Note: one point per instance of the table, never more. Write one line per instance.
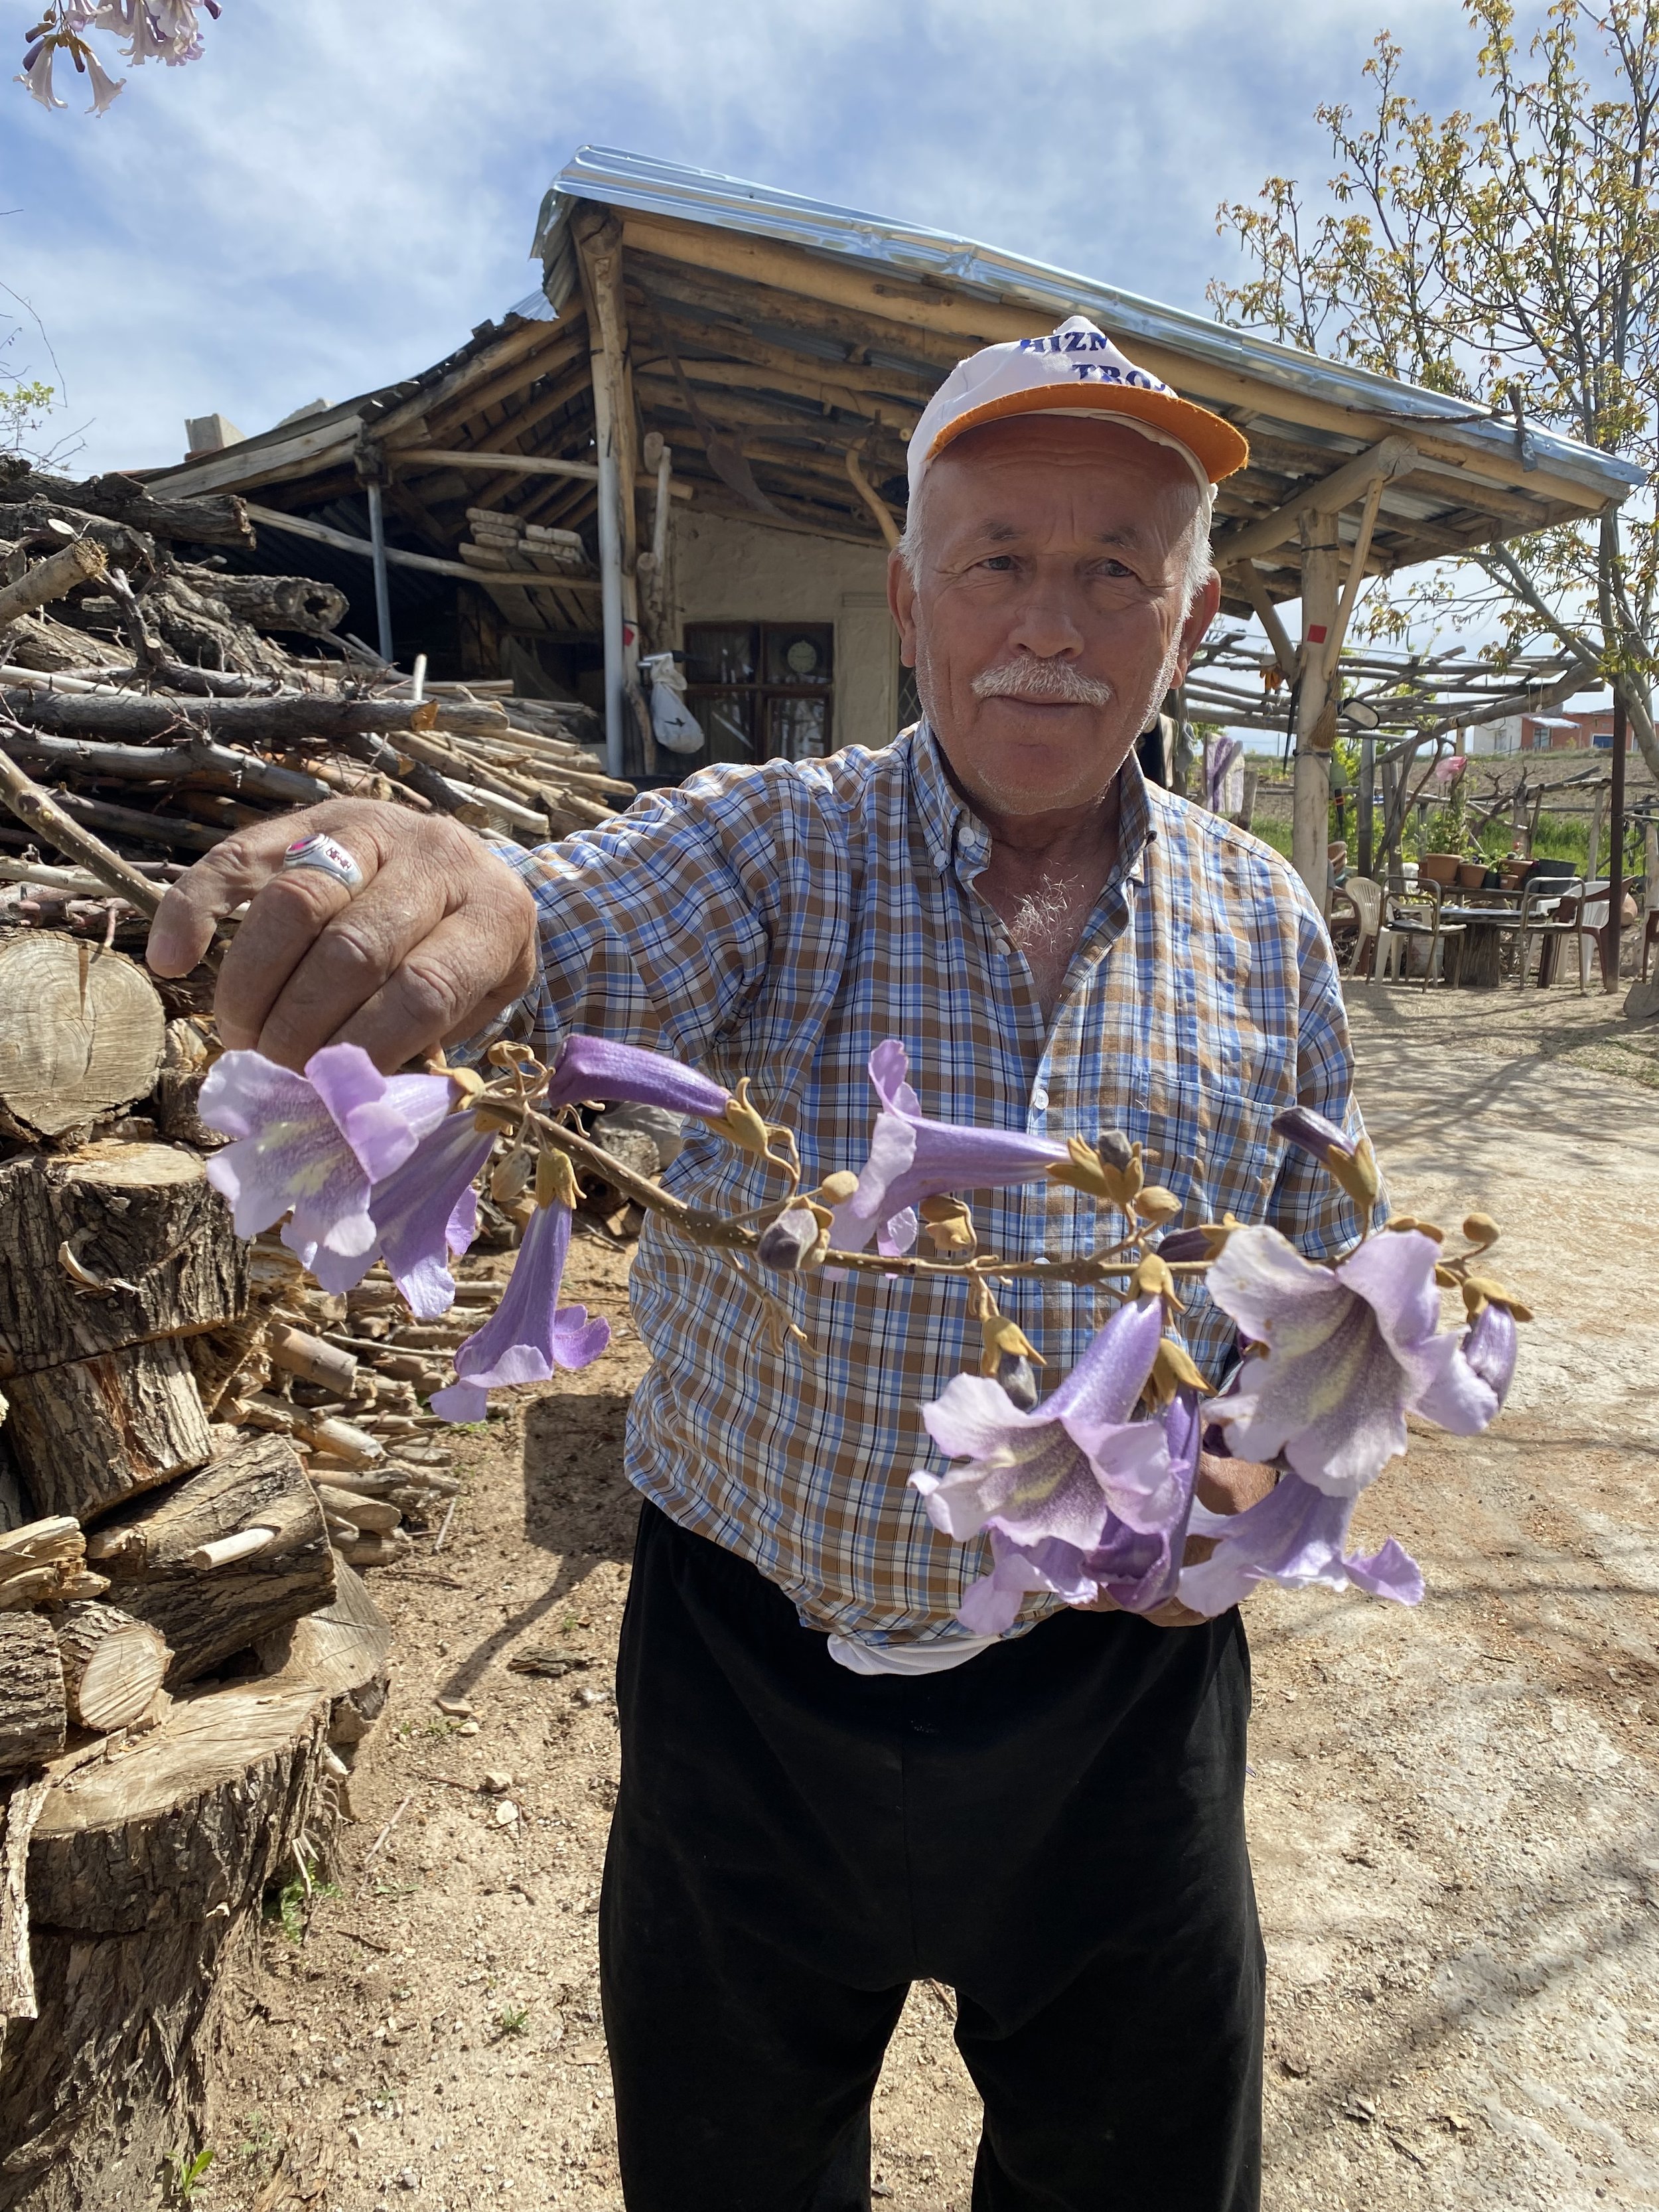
(1479, 953)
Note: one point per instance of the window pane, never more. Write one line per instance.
(800, 652)
(727, 720)
(720, 652)
(797, 729)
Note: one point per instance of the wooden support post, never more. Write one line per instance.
(1316, 726)
(1248, 580)
(599, 252)
(1610, 949)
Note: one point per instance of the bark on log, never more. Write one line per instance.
(41, 1561)
(298, 1353)
(143, 1872)
(81, 1031)
(95, 1431)
(277, 724)
(206, 1615)
(111, 1245)
(50, 578)
(218, 768)
(214, 518)
(298, 604)
(113, 1665)
(33, 1707)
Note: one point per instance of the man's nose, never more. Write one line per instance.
(1045, 623)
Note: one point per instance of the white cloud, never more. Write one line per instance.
(338, 193)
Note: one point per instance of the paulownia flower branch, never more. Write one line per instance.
(1090, 1494)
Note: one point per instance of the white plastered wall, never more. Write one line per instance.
(731, 571)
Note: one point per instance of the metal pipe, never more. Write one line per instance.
(377, 554)
(611, 583)
(1611, 947)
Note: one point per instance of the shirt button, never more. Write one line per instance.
(1040, 1100)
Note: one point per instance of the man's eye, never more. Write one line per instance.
(1114, 569)
(999, 560)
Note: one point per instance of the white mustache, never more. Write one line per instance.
(1048, 680)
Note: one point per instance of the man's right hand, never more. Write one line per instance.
(438, 940)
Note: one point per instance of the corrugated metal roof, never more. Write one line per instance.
(617, 179)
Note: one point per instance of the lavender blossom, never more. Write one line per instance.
(1078, 1497)
(423, 1211)
(1490, 1346)
(36, 73)
(314, 1142)
(106, 89)
(1295, 1536)
(1342, 1355)
(912, 1157)
(595, 1067)
(529, 1335)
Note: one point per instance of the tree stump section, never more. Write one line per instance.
(33, 1708)
(144, 1869)
(95, 1431)
(113, 1665)
(113, 1245)
(81, 1031)
(344, 1648)
(216, 1563)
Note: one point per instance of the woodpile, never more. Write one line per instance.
(163, 702)
(199, 1450)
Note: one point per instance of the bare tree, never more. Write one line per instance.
(1507, 256)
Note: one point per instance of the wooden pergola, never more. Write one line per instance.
(766, 357)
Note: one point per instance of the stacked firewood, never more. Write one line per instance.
(167, 701)
(199, 1450)
(500, 540)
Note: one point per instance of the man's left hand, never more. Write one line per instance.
(1225, 1486)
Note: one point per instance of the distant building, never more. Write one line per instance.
(1587, 729)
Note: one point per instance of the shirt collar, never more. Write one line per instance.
(956, 838)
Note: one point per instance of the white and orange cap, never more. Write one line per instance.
(1077, 370)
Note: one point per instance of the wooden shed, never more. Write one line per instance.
(691, 438)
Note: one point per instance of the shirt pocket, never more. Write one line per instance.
(1211, 1141)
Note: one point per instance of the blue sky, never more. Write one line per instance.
(341, 189)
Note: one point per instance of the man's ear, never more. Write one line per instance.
(1201, 614)
(902, 599)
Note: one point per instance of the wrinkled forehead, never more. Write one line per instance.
(1043, 473)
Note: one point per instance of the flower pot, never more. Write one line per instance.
(1471, 875)
(1438, 868)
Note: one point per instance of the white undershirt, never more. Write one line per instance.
(907, 1658)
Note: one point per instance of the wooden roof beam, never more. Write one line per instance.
(1394, 457)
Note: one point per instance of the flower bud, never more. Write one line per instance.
(1115, 1149)
(1481, 1228)
(796, 1239)
(835, 1189)
(1157, 1204)
(1018, 1379)
(511, 1176)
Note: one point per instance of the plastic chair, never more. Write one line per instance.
(1406, 921)
(1366, 898)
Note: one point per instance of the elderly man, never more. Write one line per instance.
(830, 1787)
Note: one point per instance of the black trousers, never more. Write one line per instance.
(1054, 1830)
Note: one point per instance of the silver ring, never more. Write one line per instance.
(326, 854)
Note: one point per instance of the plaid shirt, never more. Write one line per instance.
(779, 922)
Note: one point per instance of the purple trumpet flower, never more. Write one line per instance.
(529, 1333)
(1295, 1536)
(1341, 1355)
(595, 1067)
(1490, 1344)
(1076, 1494)
(314, 1142)
(912, 1158)
(423, 1211)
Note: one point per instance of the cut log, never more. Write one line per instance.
(284, 603)
(111, 1245)
(94, 1431)
(40, 1560)
(145, 1871)
(378, 1515)
(33, 1708)
(298, 1353)
(50, 580)
(206, 1613)
(324, 1433)
(113, 1665)
(212, 519)
(81, 1031)
(344, 1648)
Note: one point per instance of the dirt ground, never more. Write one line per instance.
(1452, 1811)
